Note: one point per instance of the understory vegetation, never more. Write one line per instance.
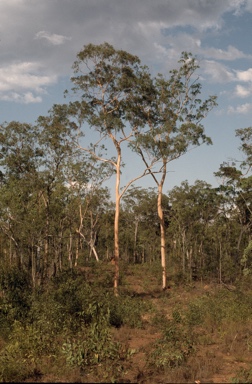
(74, 329)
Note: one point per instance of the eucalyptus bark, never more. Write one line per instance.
(33, 265)
(135, 242)
(162, 230)
(116, 222)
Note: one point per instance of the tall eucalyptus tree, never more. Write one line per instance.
(111, 85)
(174, 126)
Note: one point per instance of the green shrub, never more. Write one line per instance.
(17, 290)
(14, 367)
(92, 344)
(195, 314)
(174, 347)
(176, 315)
(67, 290)
(127, 311)
(18, 359)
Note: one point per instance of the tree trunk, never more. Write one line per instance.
(135, 241)
(189, 253)
(162, 234)
(77, 250)
(70, 251)
(220, 263)
(92, 247)
(33, 266)
(116, 224)
(183, 252)
(46, 256)
(10, 252)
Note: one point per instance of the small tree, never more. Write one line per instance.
(174, 127)
(56, 139)
(194, 209)
(237, 187)
(19, 161)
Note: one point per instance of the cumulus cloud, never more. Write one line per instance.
(23, 98)
(240, 109)
(142, 27)
(52, 38)
(24, 75)
(218, 72)
(244, 75)
(230, 54)
(241, 91)
(19, 82)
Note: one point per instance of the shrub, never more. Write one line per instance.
(17, 288)
(126, 311)
(18, 359)
(173, 348)
(92, 344)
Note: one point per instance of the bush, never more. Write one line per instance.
(17, 290)
(126, 311)
(173, 348)
(195, 314)
(18, 359)
(92, 344)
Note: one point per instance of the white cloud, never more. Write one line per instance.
(23, 98)
(24, 76)
(19, 82)
(239, 6)
(52, 38)
(230, 54)
(244, 75)
(142, 27)
(240, 109)
(241, 91)
(218, 72)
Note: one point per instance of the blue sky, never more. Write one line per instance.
(39, 41)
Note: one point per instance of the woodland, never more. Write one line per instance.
(82, 275)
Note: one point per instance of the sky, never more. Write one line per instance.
(39, 41)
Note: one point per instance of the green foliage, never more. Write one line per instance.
(16, 286)
(246, 259)
(176, 315)
(174, 347)
(127, 311)
(72, 319)
(48, 317)
(14, 367)
(19, 358)
(194, 315)
(67, 291)
(91, 345)
(215, 311)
